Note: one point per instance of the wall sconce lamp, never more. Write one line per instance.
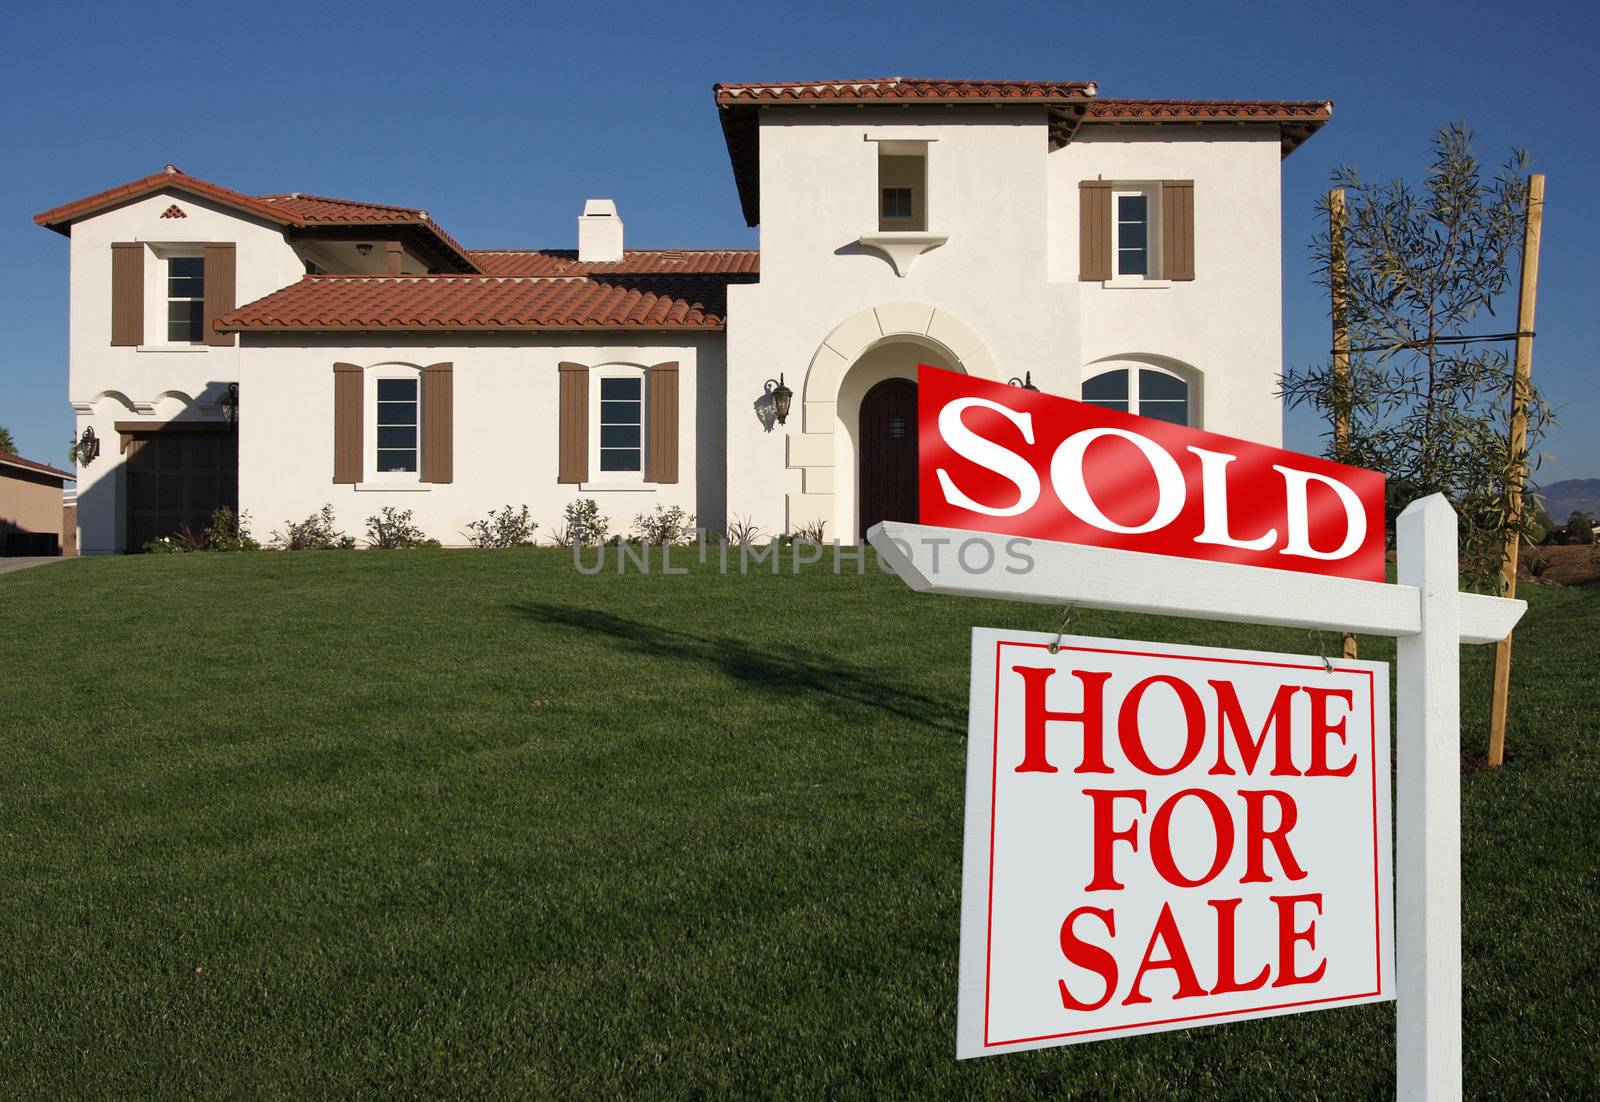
(364, 248)
(781, 397)
(230, 406)
(1026, 382)
(87, 448)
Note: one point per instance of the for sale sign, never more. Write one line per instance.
(1006, 459)
(1160, 837)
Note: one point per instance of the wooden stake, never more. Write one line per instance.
(1521, 391)
(1338, 287)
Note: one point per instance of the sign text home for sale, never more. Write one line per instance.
(1161, 836)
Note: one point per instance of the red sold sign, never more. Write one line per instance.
(1004, 459)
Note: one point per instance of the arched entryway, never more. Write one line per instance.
(886, 453)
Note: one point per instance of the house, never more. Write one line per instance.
(31, 506)
(283, 351)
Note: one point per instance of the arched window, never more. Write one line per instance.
(1146, 391)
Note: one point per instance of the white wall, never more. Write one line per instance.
(1227, 323)
(987, 190)
(155, 382)
(506, 391)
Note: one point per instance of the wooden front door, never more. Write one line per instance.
(887, 446)
(175, 479)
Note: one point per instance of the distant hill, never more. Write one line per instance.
(1562, 498)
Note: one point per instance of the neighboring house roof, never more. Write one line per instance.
(7, 459)
(468, 302)
(293, 211)
(1069, 104)
(563, 262)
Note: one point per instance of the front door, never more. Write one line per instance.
(886, 479)
(176, 477)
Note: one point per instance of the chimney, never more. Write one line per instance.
(599, 232)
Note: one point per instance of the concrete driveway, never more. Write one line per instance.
(22, 562)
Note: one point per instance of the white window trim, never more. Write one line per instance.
(617, 480)
(155, 305)
(387, 480)
(1132, 369)
(1153, 276)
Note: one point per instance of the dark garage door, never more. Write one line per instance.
(176, 478)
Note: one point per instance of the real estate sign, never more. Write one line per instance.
(1163, 836)
(1011, 460)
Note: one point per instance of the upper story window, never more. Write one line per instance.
(1146, 391)
(397, 422)
(186, 299)
(621, 423)
(1136, 233)
(902, 185)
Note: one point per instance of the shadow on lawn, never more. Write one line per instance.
(754, 668)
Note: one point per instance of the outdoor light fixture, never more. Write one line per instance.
(88, 447)
(781, 396)
(1026, 382)
(364, 248)
(230, 405)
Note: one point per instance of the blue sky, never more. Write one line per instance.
(501, 119)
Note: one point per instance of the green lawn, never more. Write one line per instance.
(469, 824)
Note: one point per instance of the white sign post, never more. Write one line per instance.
(1423, 610)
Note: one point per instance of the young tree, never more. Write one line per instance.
(1427, 404)
(7, 444)
(1580, 527)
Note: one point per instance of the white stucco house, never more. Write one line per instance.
(1124, 251)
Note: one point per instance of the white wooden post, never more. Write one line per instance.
(1428, 835)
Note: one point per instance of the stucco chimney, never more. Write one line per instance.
(599, 232)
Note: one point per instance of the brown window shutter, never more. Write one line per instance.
(349, 419)
(127, 293)
(661, 409)
(1177, 229)
(438, 423)
(219, 284)
(573, 434)
(1094, 230)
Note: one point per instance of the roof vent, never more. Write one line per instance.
(599, 232)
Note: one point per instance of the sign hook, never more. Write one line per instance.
(1066, 619)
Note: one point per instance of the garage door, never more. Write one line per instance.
(176, 478)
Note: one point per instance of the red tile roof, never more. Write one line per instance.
(10, 460)
(341, 212)
(60, 218)
(902, 88)
(1069, 105)
(565, 262)
(471, 302)
(1297, 119)
(295, 211)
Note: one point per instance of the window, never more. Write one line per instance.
(622, 424)
(398, 424)
(1131, 233)
(1146, 391)
(186, 294)
(902, 185)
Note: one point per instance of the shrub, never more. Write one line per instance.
(582, 525)
(668, 524)
(505, 528)
(228, 532)
(742, 531)
(809, 532)
(163, 546)
(392, 530)
(316, 533)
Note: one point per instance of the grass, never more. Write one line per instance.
(469, 824)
